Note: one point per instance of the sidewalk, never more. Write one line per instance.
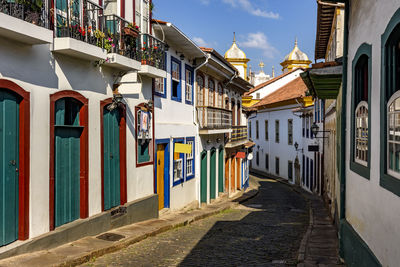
(320, 244)
(83, 250)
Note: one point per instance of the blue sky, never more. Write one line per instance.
(265, 29)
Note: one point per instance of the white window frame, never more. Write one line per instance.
(362, 139)
(188, 85)
(392, 99)
(200, 91)
(189, 159)
(211, 93)
(159, 84)
(178, 165)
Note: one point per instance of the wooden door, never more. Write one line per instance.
(67, 161)
(160, 175)
(227, 175)
(221, 170)
(111, 155)
(9, 164)
(233, 173)
(213, 169)
(239, 172)
(203, 177)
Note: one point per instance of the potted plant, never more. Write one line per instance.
(132, 30)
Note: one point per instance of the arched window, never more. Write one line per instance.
(360, 111)
(211, 88)
(393, 135)
(361, 133)
(200, 91)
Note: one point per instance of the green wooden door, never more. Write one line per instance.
(203, 177)
(221, 170)
(111, 157)
(213, 169)
(9, 147)
(67, 161)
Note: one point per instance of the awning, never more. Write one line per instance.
(241, 155)
(249, 144)
(183, 148)
(323, 82)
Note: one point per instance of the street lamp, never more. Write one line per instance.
(314, 129)
(296, 146)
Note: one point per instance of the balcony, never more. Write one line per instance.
(214, 120)
(125, 49)
(238, 136)
(153, 57)
(25, 21)
(79, 31)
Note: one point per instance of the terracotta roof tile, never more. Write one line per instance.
(270, 81)
(295, 89)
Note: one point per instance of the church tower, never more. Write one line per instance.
(237, 58)
(296, 59)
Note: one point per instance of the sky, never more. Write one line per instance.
(265, 29)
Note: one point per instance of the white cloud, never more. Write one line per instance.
(248, 6)
(259, 41)
(205, 2)
(200, 41)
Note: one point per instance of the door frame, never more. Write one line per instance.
(167, 182)
(122, 151)
(24, 157)
(84, 152)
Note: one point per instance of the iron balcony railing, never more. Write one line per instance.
(81, 20)
(125, 37)
(214, 118)
(153, 51)
(239, 133)
(32, 11)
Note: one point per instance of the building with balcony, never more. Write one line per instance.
(76, 81)
(222, 127)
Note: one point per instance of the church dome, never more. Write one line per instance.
(235, 52)
(296, 54)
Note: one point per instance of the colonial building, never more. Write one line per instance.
(77, 119)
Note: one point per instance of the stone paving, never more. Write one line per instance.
(263, 231)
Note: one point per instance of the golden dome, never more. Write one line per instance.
(296, 54)
(235, 52)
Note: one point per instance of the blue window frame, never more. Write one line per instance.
(176, 76)
(160, 87)
(189, 78)
(178, 164)
(190, 159)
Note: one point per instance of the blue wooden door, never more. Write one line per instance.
(67, 161)
(111, 156)
(9, 147)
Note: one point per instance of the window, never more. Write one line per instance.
(256, 129)
(257, 159)
(211, 99)
(277, 131)
(307, 126)
(190, 159)
(266, 130)
(390, 103)
(290, 170)
(361, 132)
(188, 84)
(142, 12)
(200, 91)
(249, 129)
(220, 96)
(267, 161)
(175, 79)
(290, 132)
(303, 176)
(257, 95)
(303, 120)
(159, 86)
(144, 135)
(277, 165)
(178, 164)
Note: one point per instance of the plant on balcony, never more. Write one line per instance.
(32, 10)
(103, 41)
(132, 30)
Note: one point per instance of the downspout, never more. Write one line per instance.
(342, 161)
(207, 56)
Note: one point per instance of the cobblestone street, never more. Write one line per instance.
(264, 231)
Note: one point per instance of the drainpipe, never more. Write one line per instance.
(207, 56)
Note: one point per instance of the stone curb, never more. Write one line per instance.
(172, 225)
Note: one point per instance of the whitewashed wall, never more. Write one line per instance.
(372, 210)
